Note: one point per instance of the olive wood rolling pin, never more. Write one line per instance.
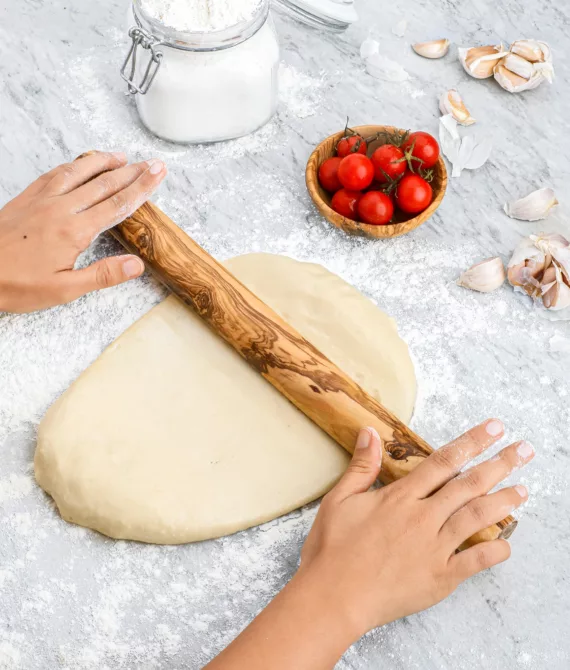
(276, 350)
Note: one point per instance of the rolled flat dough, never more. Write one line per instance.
(170, 437)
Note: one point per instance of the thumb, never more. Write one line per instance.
(365, 465)
(102, 274)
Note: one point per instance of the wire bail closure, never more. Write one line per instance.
(146, 41)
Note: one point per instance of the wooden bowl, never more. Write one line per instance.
(322, 199)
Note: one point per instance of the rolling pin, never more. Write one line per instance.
(276, 350)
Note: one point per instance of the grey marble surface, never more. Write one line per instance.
(72, 599)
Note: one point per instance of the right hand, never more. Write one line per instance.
(378, 555)
(45, 228)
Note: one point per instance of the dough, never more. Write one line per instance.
(170, 437)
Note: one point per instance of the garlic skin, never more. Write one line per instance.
(485, 277)
(533, 207)
(433, 49)
(540, 267)
(479, 62)
(452, 103)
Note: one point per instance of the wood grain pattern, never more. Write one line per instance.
(322, 199)
(277, 351)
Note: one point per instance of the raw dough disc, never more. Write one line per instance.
(169, 437)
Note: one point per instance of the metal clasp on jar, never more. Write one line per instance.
(148, 42)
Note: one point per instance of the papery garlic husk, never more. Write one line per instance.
(513, 83)
(433, 49)
(532, 50)
(533, 207)
(451, 103)
(480, 62)
(485, 276)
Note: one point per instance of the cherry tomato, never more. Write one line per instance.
(389, 163)
(413, 194)
(356, 172)
(376, 208)
(423, 149)
(328, 174)
(348, 146)
(344, 202)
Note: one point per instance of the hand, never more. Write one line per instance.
(374, 556)
(45, 228)
(391, 552)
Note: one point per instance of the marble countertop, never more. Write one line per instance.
(72, 599)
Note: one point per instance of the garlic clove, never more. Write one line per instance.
(556, 294)
(485, 276)
(519, 65)
(556, 246)
(479, 62)
(513, 83)
(452, 103)
(532, 50)
(433, 49)
(533, 207)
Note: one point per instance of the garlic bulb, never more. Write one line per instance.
(533, 207)
(451, 103)
(525, 67)
(540, 267)
(480, 62)
(485, 276)
(433, 49)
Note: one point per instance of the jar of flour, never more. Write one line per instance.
(202, 70)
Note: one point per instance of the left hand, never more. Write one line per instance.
(45, 228)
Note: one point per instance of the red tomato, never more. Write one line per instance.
(348, 146)
(423, 150)
(356, 172)
(344, 202)
(413, 194)
(389, 163)
(328, 174)
(376, 208)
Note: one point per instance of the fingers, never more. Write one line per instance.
(479, 480)
(119, 206)
(447, 462)
(70, 176)
(105, 185)
(103, 274)
(482, 513)
(478, 558)
(364, 467)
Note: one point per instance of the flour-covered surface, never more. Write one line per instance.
(70, 598)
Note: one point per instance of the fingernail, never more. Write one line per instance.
(156, 166)
(495, 427)
(525, 450)
(119, 155)
(521, 490)
(133, 267)
(364, 439)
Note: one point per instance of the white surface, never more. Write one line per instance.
(72, 599)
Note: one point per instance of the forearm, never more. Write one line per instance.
(303, 628)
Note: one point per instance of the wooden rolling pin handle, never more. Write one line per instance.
(277, 351)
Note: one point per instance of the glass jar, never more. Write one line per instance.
(207, 86)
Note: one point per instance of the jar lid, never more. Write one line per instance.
(332, 14)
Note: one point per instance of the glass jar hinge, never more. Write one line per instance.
(146, 41)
